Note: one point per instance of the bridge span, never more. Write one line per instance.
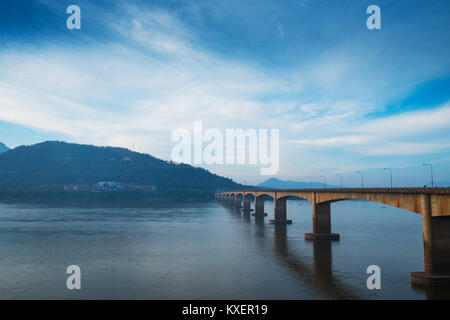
(433, 204)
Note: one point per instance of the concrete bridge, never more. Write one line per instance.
(432, 203)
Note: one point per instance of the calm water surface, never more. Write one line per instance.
(205, 251)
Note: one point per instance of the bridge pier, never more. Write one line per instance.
(247, 203)
(321, 222)
(436, 246)
(228, 201)
(259, 207)
(237, 203)
(279, 212)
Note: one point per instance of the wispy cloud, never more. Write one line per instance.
(155, 73)
(114, 94)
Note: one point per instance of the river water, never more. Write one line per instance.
(205, 251)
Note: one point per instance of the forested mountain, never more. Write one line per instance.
(60, 163)
(3, 147)
(289, 184)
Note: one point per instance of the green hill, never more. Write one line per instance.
(54, 163)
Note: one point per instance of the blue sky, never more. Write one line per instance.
(344, 97)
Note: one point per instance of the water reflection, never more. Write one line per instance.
(433, 293)
(259, 221)
(246, 217)
(319, 274)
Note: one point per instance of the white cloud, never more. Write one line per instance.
(384, 136)
(335, 141)
(408, 148)
(159, 77)
(117, 95)
(408, 123)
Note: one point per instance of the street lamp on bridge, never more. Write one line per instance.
(340, 175)
(390, 170)
(362, 178)
(324, 182)
(431, 168)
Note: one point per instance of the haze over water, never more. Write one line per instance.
(205, 251)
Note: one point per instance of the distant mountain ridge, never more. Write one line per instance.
(290, 184)
(3, 147)
(61, 163)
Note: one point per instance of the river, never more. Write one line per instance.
(205, 251)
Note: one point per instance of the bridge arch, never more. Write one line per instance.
(372, 201)
(249, 195)
(292, 197)
(410, 203)
(297, 194)
(239, 195)
(267, 194)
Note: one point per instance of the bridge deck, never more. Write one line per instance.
(356, 190)
(411, 199)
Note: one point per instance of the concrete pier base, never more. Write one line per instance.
(279, 208)
(259, 214)
(275, 221)
(321, 223)
(259, 207)
(436, 247)
(430, 280)
(321, 236)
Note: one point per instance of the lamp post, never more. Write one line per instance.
(362, 178)
(324, 182)
(340, 175)
(390, 170)
(431, 168)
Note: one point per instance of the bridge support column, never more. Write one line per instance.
(436, 246)
(321, 222)
(247, 203)
(237, 204)
(279, 210)
(259, 207)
